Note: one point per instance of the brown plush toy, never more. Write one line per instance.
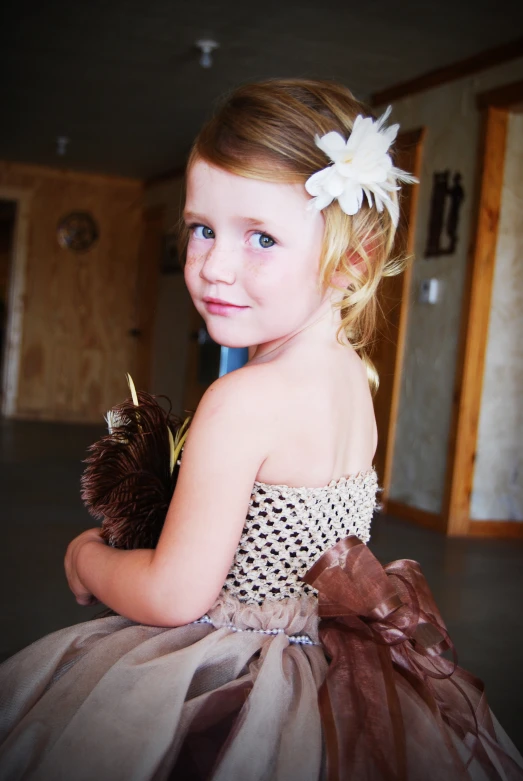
(131, 472)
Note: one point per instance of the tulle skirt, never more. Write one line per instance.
(352, 685)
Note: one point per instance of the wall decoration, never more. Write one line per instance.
(445, 206)
(77, 231)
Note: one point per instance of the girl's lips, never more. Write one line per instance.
(218, 307)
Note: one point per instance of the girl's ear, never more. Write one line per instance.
(342, 279)
(354, 259)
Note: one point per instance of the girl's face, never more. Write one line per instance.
(253, 256)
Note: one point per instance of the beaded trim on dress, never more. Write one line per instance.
(288, 528)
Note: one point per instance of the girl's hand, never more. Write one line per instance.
(83, 596)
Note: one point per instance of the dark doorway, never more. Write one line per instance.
(7, 231)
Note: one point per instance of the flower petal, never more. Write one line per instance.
(378, 191)
(320, 202)
(314, 184)
(350, 200)
(332, 144)
(368, 194)
(335, 184)
(404, 176)
(381, 121)
(362, 168)
(393, 210)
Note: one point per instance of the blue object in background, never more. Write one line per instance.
(232, 358)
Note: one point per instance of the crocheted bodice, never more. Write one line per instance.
(287, 529)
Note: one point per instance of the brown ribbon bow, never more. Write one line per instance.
(392, 706)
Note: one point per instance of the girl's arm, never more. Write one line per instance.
(179, 580)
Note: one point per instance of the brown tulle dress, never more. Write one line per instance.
(314, 663)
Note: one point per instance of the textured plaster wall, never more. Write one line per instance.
(171, 330)
(498, 477)
(453, 123)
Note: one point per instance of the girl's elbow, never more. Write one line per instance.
(180, 608)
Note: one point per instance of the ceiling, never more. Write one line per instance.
(121, 78)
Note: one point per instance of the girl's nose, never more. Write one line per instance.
(218, 266)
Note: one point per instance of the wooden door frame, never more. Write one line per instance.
(16, 297)
(495, 106)
(412, 138)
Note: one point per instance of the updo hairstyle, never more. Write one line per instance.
(266, 131)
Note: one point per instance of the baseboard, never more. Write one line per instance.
(512, 529)
(415, 514)
(507, 529)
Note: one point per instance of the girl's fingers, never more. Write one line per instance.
(86, 601)
(82, 596)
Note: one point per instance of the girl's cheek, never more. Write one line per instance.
(191, 271)
(191, 253)
(194, 260)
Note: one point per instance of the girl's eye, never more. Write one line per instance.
(262, 240)
(202, 232)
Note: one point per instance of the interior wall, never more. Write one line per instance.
(498, 474)
(172, 326)
(7, 218)
(7, 222)
(78, 309)
(453, 122)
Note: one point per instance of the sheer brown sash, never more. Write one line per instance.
(384, 636)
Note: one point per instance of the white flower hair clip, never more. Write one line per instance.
(360, 166)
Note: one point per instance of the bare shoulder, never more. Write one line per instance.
(233, 424)
(247, 394)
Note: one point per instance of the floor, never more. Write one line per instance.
(477, 583)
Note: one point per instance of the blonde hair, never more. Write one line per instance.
(266, 131)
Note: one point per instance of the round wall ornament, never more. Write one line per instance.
(77, 231)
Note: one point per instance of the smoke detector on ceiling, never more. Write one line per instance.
(206, 46)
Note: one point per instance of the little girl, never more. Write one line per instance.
(216, 664)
